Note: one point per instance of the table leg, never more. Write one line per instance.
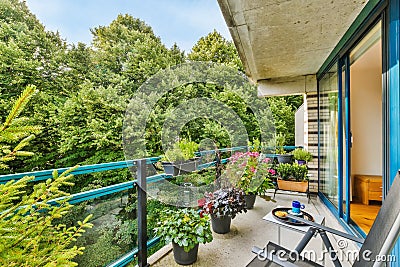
(279, 235)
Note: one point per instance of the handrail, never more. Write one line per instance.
(107, 190)
(85, 169)
(130, 256)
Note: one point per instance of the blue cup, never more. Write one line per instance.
(296, 206)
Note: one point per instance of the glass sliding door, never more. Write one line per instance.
(364, 123)
(328, 138)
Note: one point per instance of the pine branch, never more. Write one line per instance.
(19, 106)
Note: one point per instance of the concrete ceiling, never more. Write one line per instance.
(287, 38)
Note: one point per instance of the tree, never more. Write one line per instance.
(215, 48)
(32, 55)
(127, 50)
(283, 117)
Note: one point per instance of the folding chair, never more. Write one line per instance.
(377, 245)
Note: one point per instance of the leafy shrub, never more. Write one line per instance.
(226, 201)
(299, 172)
(302, 154)
(185, 227)
(182, 150)
(285, 171)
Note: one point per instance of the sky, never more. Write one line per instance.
(180, 21)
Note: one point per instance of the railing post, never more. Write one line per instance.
(142, 213)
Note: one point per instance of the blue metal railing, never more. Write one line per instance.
(48, 174)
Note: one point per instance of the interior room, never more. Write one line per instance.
(366, 129)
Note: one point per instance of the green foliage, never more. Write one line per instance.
(299, 172)
(15, 128)
(302, 154)
(28, 235)
(188, 148)
(204, 177)
(215, 48)
(283, 115)
(185, 227)
(91, 122)
(285, 171)
(277, 142)
(182, 150)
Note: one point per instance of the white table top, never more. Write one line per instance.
(303, 229)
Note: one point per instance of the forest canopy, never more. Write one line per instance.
(84, 90)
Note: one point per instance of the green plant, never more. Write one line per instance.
(188, 148)
(29, 234)
(299, 172)
(302, 154)
(203, 177)
(185, 227)
(285, 171)
(14, 128)
(225, 202)
(182, 150)
(249, 172)
(277, 142)
(280, 143)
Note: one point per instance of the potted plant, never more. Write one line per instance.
(223, 205)
(278, 141)
(249, 172)
(302, 156)
(292, 177)
(185, 228)
(181, 158)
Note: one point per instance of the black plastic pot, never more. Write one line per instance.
(285, 158)
(250, 200)
(222, 224)
(181, 167)
(185, 258)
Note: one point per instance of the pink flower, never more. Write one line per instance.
(266, 160)
(252, 169)
(201, 202)
(272, 171)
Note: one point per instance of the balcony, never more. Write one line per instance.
(113, 239)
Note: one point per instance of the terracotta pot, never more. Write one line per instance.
(290, 185)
